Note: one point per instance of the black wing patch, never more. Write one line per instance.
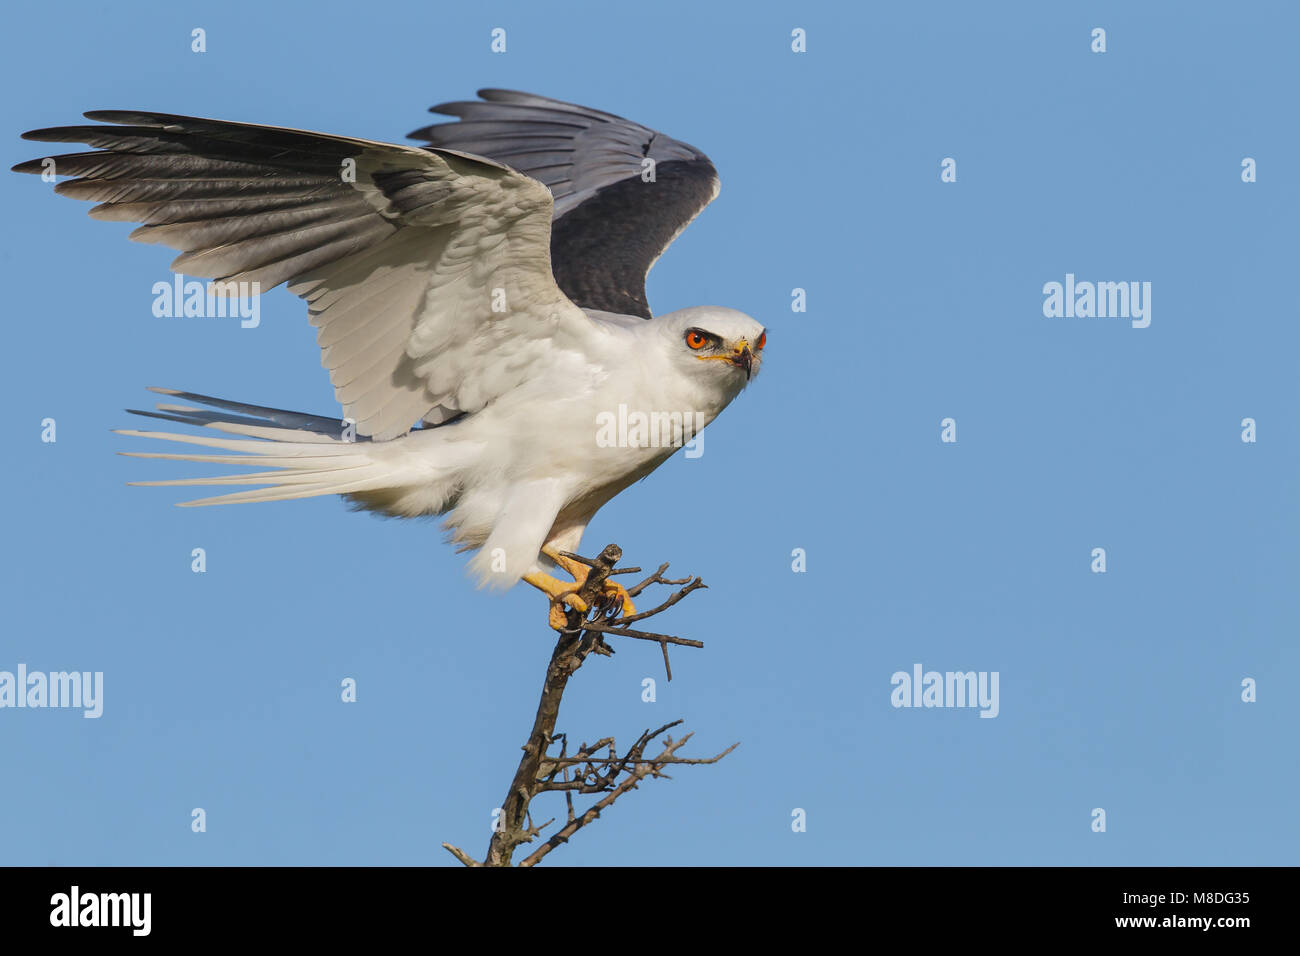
(615, 213)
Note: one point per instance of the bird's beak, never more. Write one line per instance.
(742, 357)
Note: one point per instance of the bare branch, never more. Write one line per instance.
(461, 855)
(646, 768)
(656, 578)
(601, 628)
(587, 771)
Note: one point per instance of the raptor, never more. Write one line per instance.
(479, 303)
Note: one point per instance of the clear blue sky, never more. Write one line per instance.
(1118, 690)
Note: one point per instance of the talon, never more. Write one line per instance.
(613, 601)
(615, 598)
(558, 617)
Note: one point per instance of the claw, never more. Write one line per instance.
(558, 617)
(612, 602)
(615, 601)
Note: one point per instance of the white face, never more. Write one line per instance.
(721, 348)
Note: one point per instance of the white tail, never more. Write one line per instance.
(308, 461)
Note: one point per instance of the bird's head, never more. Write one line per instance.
(717, 347)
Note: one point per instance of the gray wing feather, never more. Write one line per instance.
(261, 207)
(248, 414)
(388, 258)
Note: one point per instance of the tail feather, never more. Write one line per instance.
(308, 454)
(283, 476)
(267, 445)
(273, 462)
(282, 493)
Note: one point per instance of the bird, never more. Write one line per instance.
(480, 305)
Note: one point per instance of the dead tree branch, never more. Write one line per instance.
(594, 768)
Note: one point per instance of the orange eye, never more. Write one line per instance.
(696, 340)
(762, 340)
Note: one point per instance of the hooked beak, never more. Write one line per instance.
(742, 357)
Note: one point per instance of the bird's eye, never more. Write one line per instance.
(762, 340)
(696, 340)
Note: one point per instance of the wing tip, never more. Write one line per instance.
(59, 134)
(42, 135)
(126, 117)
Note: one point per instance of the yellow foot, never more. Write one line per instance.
(613, 595)
(562, 595)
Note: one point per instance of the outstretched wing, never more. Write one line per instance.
(612, 220)
(426, 272)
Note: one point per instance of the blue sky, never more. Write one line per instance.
(1119, 690)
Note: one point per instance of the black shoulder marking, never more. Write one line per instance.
(602, 249)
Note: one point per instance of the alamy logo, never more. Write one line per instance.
(84, 689)
(217, 300)
(948, 689)
(635, 429)
(102, 909)
(1102, 300)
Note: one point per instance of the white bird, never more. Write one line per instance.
(489, 288)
